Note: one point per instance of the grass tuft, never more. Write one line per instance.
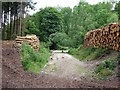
(32, 60)
(106, 68)
(87, 54)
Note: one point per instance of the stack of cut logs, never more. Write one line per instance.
(106, 37)
(28, 39)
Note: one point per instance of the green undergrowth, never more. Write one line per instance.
(87, 54)
(106, 68)
(34, 60)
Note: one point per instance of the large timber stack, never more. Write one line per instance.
(106, 37)
(28, 39)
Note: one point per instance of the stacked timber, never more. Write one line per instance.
(28, 39)
(106, 37)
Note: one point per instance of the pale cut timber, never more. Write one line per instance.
(32, 40)
(106, 37)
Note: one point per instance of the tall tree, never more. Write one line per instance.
(48, 21)
(12, 18)
(117, 9)
(67, 18)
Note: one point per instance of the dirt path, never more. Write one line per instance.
(65, 65)
(13, 75)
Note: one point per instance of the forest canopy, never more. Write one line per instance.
(66, 26)
(62, 26)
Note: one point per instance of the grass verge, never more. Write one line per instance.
(87, 54)
(106, 68)
(32, 60)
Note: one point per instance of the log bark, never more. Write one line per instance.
(32, 40)
(106, 37)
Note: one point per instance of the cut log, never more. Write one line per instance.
(106, 37)
(32, 40)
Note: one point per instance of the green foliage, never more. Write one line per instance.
(86, 54)
(62, 47)
(31, 27)
(67, 17)
(61, 39)
(105, 72)
(117, 9)
(48, 21)
(84, 18)
(66, 27)
(106, 67)
(33, 60)
(110, 64)
(10, 12)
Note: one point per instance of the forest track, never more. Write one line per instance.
(65, 65)
(13, 75)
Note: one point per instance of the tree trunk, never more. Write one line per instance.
(14, 26)
(11, 23)
(17, 25)
(0, 20)
(3, 30)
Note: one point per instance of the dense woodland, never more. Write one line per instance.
(59, 27)
(66, 27)
(13, 14)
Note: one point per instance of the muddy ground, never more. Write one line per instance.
(13, 75)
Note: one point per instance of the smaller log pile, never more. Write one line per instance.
(28, 39)
(106, 37)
